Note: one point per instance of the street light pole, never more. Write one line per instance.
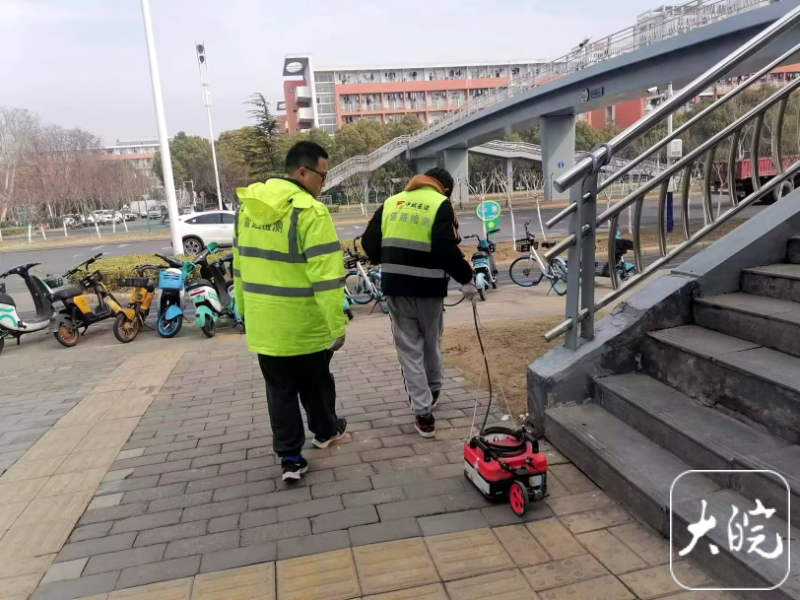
(202, 64)
(166, 160)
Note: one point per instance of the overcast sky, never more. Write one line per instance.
(83, 63)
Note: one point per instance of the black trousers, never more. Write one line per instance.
(309, 377)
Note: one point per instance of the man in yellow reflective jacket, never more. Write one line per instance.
(288, 279)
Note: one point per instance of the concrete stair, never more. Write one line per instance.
(768, 322)
(793, 250)
(780, 281)
(721, 394)
(637, 471)
(760, 384)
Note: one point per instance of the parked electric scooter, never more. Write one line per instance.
(483, 263)
(11, 325)
(126, 328)
(171, 282)
(74, 312)
(211, 294)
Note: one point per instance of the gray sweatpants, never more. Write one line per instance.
(417, 325)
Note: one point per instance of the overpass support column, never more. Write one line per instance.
(558, 151)
(456, 161)
(510, 174)
(420, 165)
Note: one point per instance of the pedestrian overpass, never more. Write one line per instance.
(676, 45)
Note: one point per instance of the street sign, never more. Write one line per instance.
(488, 211)
(676, 148)
(491, 225)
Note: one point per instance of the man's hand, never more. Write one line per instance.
(339, 342)
(470, 292)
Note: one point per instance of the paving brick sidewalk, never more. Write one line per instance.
(196, 491)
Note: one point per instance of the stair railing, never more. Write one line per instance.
(582, 181)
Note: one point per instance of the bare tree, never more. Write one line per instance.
(533, 182)
(505, 183)
(17, 129)
(480, 188)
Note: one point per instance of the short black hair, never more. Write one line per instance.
(443, 177)
(304, 154)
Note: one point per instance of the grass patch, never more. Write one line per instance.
(511, 345)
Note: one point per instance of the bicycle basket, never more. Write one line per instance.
(53, 282)
(170, 281)
(524, 245)
(133, 282)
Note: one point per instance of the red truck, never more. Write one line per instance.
(743, 176)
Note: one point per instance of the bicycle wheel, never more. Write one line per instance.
(358, 288)
(383, 304)
(525, 271)
(558, 270)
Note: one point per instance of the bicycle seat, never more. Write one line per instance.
(478, 255)
(67, 293)
(6, 299)
(548, 244)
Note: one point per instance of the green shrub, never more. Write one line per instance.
(115, 268)
(13, 231)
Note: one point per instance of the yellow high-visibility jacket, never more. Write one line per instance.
(288, 272)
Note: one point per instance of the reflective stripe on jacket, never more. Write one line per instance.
(288, 271)
(407, 229)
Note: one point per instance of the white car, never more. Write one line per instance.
(106, 217)
(198, 230)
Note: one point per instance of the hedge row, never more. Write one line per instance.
(115, 268)
(13, 231)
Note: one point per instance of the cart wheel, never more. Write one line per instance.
(518, 498)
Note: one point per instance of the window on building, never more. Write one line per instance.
(609, 114)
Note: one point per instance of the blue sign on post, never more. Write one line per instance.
(488, 210)
(561, 165)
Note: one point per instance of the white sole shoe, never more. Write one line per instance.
(327, 443)
(426, 434)
(295, 475)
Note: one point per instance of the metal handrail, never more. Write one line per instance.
(582, 180)
(673, 22)
(768, 188)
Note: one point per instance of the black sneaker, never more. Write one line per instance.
(426, 426)
(436, 395)
(294, 470)
(342, 429)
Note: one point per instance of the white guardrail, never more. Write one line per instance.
(666, 23)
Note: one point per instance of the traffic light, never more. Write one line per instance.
(201, 53)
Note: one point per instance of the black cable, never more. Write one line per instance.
(486, 363)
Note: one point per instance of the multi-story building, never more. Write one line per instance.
(330, 97)
(140, 153)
